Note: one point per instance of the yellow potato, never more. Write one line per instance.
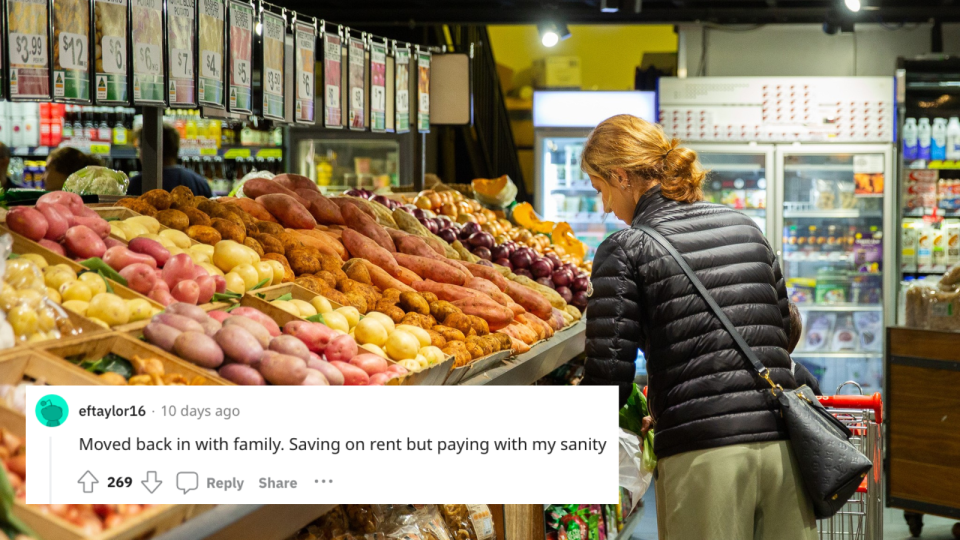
(24, 320)
(265, 272)
(133, 229)
(179, 238)
(175, 250)
(99, 322)
(117, 231)
(422, 361)
(198, 257)
(371, 331)
(370, 347)
(251, 253)
(36, 259)
(336, 321)
(151, 224)
(305, 308)
(58, 276)
(433, 355)
(277, 268)
(53, 295)
(248, 273)
(228, 254)
(76, 306)
(140, 309)
(384, 319)
(163, 240)
(47, 319)
(211, 269)
(94, 281)
(402, 345)
(76, 290)
(235, 283)
(286, 306)
(422, 336)
(110, 309)
(203, 248)
(410, 365)
(351, 313)
(321, 304)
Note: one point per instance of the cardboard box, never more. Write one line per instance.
(557, 72)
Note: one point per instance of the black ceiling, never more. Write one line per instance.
(368, 13)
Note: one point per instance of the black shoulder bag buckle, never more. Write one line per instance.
(830, 466)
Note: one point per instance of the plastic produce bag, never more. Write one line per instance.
(238, 189)
(95, 180)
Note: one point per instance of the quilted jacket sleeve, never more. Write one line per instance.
(782, 299)
(613, 320)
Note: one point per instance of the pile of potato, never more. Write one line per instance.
(61, 223)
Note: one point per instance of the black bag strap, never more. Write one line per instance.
(708, 298)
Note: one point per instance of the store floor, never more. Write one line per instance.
(894, 527)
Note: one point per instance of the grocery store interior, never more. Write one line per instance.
(322, 193)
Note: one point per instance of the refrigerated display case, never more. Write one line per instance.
(562, 122)
(339, 160)
(740, 176)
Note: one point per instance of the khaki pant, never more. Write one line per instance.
(740, 492)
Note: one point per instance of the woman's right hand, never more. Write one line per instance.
(646, 425)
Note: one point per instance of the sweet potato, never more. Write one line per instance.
(251, 207)
(538, 324)
(487, 273)
(380, 278)
(407, 276)
(322, 208)
(360, 246)
(414, 245)
(530, 299)
(342, 202)
(359, 221)
(288, 210)
(357, 271)
(445, 291)
(494, 314)
(294, 182)
(431, 269)
(257, 187)
(323, 242)
(549, 294)
(491, 290)
(288, 275)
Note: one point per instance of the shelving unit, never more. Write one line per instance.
(839, 354)
(845, 308)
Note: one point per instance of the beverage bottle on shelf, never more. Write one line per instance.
(119, 129)
(812, 238)
(938, 139)
(31, 124)
(225, 133)
(57, 112)
(213, 132)
(180, 124)
(191, 127)
(89, 128)
(67, 123)
(105, 132)
(79, 130)
(924, 136)
(953, 138)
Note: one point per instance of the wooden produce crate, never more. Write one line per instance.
(127, 347)
(476, 367)
(42, 367)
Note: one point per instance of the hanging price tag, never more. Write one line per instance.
(211, 65)
(73, 51)
(114, 55)
(147, 58)
(305, 86)
(274, 81)
(241, 71)
(333, 96)
(356, 97)
(28, 49)
(182, 64)
(403, 101)
(378, 98)
(424, 102)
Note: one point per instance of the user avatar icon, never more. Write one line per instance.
(52, 410)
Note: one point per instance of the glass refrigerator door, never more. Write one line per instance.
(739, 177)
(834, 242)
(564, 192)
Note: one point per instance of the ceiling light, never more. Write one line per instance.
(553, 33)
(852, 5)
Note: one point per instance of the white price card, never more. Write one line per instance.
(241, 72)
(274, 82)
(403, 101)
(305, 86)
(114, 54)
(356, 97)
(211, 64)
(28, 49)
(181, 65)
(378, 98)
(73, 51)
(147, 58)
(333, 96)
(424, 102)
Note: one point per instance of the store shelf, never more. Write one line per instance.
(852, 354)
(845, 308)
(260, 521)
(95, 148)
(833, 214)
(818, 257)
(540, 360)
(233, 152)
(734, 167)
(841, 167)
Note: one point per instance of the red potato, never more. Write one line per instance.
(152, 248)
(220, 316)
(208, 286)
(294, 182)
(445, 291)
(314, 378)
(362, 223)
(27, 221)
(282, 369)
(360, 246)
(332, 374)
(96, 223)
(291, 345)
(180, 322)
(161, 295)
(381, 379)
(161, 335)
(66, 198)
(221, 283)
(323, 209)
(187, 310)
(260, 317)
(370, 363)
(112, 242)
(254, 328)
(288, 211)
(58, 219)
(177, 269)
(242, 375)
(352, 375)
(210, 326)
(487, 273)
(397, 370)
(54, 247)
(82, 242)
(186, 291)
(251, 207)
(428, 268)
(497, 316)
(530, 299)
(383, 280)
(342, 348)
(140, 277)
(199, 271)
(119, 257)
(314, 335)
(198, 348)
(239, 345)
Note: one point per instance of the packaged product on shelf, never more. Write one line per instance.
(819, 330)
(846, 193)
(823, 195)
(735, 198)
(925, 248)
(845, 337)
(951, 240)
(831, 286)
(756, 198)
(867, 253)
(908, 251)
(943, 311)
(938, 253)
(870, 326)
(920, 189)
(802, 290)
(866, 289)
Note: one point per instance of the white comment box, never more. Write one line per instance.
(542, 444)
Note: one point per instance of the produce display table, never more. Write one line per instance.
(540, 360)
(260, 521)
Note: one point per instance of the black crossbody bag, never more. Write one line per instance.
(830, 466)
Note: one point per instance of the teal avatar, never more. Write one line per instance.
(52, 410)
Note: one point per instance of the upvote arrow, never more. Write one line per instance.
(151, 483)
(88, 480)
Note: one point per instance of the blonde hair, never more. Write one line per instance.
(644, 152)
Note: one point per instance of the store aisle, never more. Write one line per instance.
(647, 529)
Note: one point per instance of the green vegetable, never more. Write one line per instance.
(225, 296)
(97, 265)
(95, 180)
(9, 523)
(631, 419)
(13, 256)
(261, 284)
(110, 363)
(317, 318)
(106, 281)
(285, 297)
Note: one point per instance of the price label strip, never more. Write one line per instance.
(27, 50)
(181, 34)
(148, 66)
(332, 111)
(423, 92)
(71, 55)
(378, 88)
(305, 65)
(211, 25)
(110, 82)
(358, 83)
(402, 80)
(273, 37)
(240, 98)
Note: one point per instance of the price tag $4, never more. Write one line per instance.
(211, 64)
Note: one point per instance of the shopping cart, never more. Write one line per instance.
(862, 517)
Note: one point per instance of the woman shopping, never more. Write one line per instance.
(725, 467)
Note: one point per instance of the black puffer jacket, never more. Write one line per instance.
(702, 392)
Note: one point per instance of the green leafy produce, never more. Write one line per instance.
(110, 363)
(97, 265)
(631, 419)
(95, 180)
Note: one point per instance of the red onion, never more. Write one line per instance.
(431, 225)
(566, 293)
(500, 252)
(546, 282)
(554, 259)
(580, 300)
(449, 235)
(481, 239)
(468, 230)
(541, 268)
(523, 272)
(521, 260)
(482, 252)
(580, 284)
(418, 213)
(504, 262)
(562, 277)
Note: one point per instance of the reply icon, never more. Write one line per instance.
(187, 481)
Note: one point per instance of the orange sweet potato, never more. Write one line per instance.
(487, 273)
(344, 201)
(532, 320)
(430, 269)
(414, 245)
(288, 210)
(360, 246)
(491, 290)
(444, 291)
(294, 182)
(408, 276)
(257, 187)
(322, 208)
(530, 299)
(382, 280)
(251, 207)
(367, 226)
(497, 316)
(322, 242)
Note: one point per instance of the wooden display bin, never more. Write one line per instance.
(126, 346)
(41, 367)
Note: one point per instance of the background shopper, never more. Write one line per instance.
(173, 175)
(725, 469)
(63, 162)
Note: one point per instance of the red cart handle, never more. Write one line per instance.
(873, 402)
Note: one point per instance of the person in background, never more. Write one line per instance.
(63, 162)
(173, 174)
(726, 468)
(5, 181)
